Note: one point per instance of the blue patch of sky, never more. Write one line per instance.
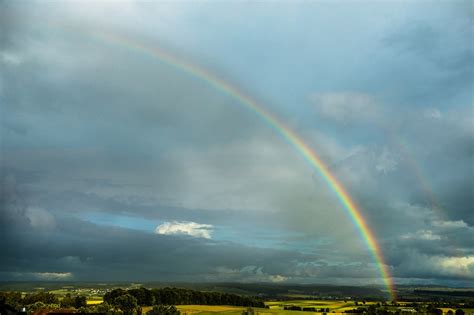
(119, 220)
(244, 234)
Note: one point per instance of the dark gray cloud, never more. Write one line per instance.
(89, 251)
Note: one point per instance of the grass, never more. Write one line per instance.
(275, 308)
(209, 309)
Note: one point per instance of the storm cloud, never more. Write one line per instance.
(116, 165)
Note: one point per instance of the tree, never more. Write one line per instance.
(103, 308)
(126, 303)
(110, 297)
(163, 310)
(45, 297)
(35, 306)
(248, 311)
(372, 309)
(80, 301)
(83, 310)
(144, 297)
(67, 301)
(76, 301)
(176, 296)
(12, 299)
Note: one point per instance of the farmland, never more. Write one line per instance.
(274, 307)
(336, 307)
(205, 299)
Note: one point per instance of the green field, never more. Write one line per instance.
(275, 308)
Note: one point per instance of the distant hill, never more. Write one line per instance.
(263, 290)
(446, 292)
(252, 289)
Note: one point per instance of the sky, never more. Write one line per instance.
(119, 166)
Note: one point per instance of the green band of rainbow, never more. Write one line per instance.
(291, 137)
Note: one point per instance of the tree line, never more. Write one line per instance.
(178, 296)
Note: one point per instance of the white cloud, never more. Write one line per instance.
(52, 275)
(462, 266)
(188, 228)
(426, 235)
(249, 273)
(10, 58)
(278, 278)
(40, 218)
(386, 162)
(433, 113)
(345, 106)
(450, 224)
(416, 264)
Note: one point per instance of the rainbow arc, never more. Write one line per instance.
(274, 122)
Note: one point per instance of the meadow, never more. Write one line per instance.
(274, 308)
(337, 307)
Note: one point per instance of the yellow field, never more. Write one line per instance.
(94, 301)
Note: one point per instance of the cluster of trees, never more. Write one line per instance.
(128, 304)
(124, 304)
(163, 310)
(443, 304)
(32, 300)
(428, 309)
(77, 301)
(41, 300)
(176, 296)
(433, 308)
(306, 309)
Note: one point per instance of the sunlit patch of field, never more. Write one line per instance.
(336, 306)
(59, 291)
(94, 301)
(146, 309)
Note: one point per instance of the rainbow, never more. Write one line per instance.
(290, 136)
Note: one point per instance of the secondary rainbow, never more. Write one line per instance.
(290, 136)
